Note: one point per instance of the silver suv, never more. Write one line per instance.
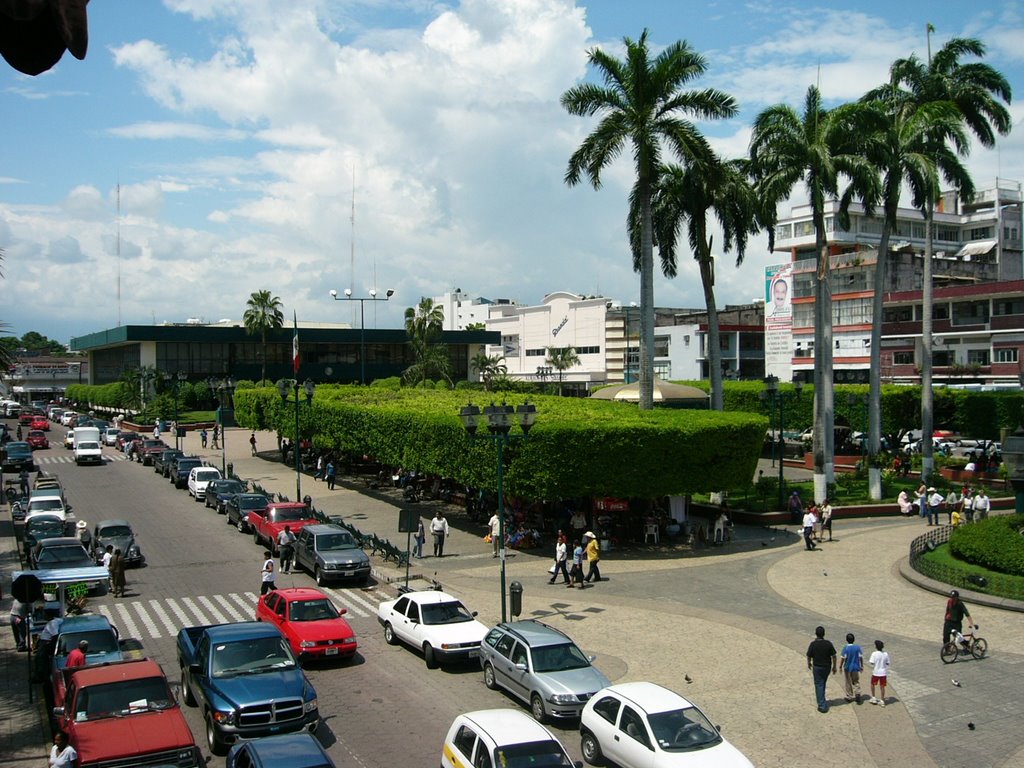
(541, 666)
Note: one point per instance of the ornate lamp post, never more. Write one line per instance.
(176, 381)
(498, 420)
(362, 321)
(225, 389)
(309, 387)
(776, 396)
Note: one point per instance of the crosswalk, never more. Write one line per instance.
(141, 619)
(69, 459)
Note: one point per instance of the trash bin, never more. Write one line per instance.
(515, 590)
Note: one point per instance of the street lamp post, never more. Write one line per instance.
(282, 387)
(176, 381)
(776, 396)
(362, 321)
(1013, 455)
(499, 423)
(224, 389)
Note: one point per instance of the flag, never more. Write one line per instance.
(295, 345)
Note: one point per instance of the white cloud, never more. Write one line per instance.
(85, 202)
(168, 131)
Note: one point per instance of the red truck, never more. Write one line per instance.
(123, 713)
(266, 523)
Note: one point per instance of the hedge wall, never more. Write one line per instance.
(994, 543)
(577, 447)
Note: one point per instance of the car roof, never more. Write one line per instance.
(320, 528)
(120, 670)
(295, 749)
(84, 622)
(534, 633)
(44, 517)
(508, 726)
(106, 523)
(301, 593)
(429, 596)
(649, 697)
(61, 541)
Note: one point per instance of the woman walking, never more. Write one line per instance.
(561, 554)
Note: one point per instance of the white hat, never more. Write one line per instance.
(589, 535)
(81, 524)
(932, 489)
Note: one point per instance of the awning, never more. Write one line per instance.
(978, 248)
(65, 576)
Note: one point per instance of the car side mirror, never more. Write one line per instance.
(58, 712)
(342, 611)
(474, 614)
(521, 667)
(718, 728)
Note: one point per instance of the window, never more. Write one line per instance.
(902, 358)
(943, 358)
(608, 708)
(587, 350)
(803, 228)
(978, 357)
(633, 726)
(414, 611)
(465, 740)
(980, 233)
(1006, 355)
(783, 231)
(1008, 307)
(402, 605)
(519, 655)
(504, 646)
(803, 315)
(970, 312)
(947, 234)
(661, 345)
(897, 315)
(855, 311)
(536, 352)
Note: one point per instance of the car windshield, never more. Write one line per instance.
(100, 641)
(291, 514)
(557, 658)
(88, 445)
(205, 477)
(151, 443)
(334, 542)
(62, 555)
(248, 657)
(122, 698)
(229, 486)
(531, 754)
(681, 730)
(452, 612)
(38, 525)
(36, 433)
(37, 505)
(312, 610)
(115, 531)
(18, 449)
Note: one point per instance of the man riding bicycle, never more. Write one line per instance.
(955, 613)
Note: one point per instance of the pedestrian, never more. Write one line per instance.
(561, 555)
(981, 505)
(903, 501)
(83, 535)
(593, 550)
(576, 575)
(117, 579)
(319, 468)
(216, 435)
(105, 558)
(23, 482)
(332, 474)
(821, 657)
(852, 662)
(203, 435)
(578, 523)
(252, 443)
(439, 530)
(935, 500)
(795, 507)
(420, 538)
(921, 497)
(809, 520)
(825, 510)
(952, 502)
(267, 575)
(966, 505)
(77, 657)
(156, 430)
(285, 546)
(19, 623)
(494, 525)
(879, 661)
(956, 610)
(19, 432)
(956, 519)
(62, 754)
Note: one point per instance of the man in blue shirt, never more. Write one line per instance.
(852, 662)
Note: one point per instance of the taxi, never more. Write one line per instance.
(490, 738)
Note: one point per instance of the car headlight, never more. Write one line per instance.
(224, 718)
(133, 550)
(331, 566)
(307, 644)
(309, 706)
(563, 698)
(348, 641)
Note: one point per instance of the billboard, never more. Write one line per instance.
(778, 321)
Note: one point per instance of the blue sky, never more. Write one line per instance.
(234, 128)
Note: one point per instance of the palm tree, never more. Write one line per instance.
(562, 359)
(977, 90)
(685, 196)
(423, 325)
(262, 314)
(819, 147)
(910, 149)
(489, 367)
(642, 104)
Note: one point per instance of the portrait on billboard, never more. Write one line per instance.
(778, 299)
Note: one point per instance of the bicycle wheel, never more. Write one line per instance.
(979, 648)
(949, 652)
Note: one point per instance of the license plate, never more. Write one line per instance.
(331, 652)
(474, 653)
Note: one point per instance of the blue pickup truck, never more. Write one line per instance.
(247, 682)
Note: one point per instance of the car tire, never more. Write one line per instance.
(429, 656)
(213, 738)
(186, 693)
(537, 708)
(240, 525)
(319, 576)
(591, 749)
(489, 680)
(389, 635)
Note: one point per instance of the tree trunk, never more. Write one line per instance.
(875, 369)
(927, 396)
(646, 385)
(714, 351)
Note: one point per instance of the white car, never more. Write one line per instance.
(643, 725)
(433, 622)
(66, 417)
(499, 737)
(199, 478)
(110, 435)
(69, 439)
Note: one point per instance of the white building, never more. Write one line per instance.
(462, 310)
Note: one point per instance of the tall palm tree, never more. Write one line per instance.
(262, 314)
(562, 359)
(684, 196)
(910, 149)
(978, 91)
(819, 147)
(643, 105)
(423, 325)
(489, 367)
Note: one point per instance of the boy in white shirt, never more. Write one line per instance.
(879, 662)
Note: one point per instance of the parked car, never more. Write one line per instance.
(61, 552)
(37, 529)
(309, 621)
(41, 423)
(219, 491)
(125, 437)
(37, 439)
(118, 534)
(45, 501)
(66, 417)
(110, 436)
(643, 725)
(330, 553)
(500, 737)
(289, 750)
(199, 478)
(18, 456)
(180, 469)
(542, 667)
(266, 524)
(69, 439)
(25, 418)
(149, 450)
(162, 460)
(238, 507)
(433, 622)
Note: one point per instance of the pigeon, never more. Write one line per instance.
(956, 683)
(824, 573)
(970, 726)
(688, 679)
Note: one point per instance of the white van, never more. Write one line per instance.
(199, 478)
(87, 448)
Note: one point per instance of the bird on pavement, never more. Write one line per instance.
(688, 679)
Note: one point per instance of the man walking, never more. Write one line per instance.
(494, 524)
(821, 660)
(252, 443)
(809, 520)
(934, 502)
(852, 662)
(593, 550)
(981, 505)
(285, 546)
(439, 530)
(332, 474)
(267, 576)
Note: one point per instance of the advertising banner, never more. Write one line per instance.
(778, 321)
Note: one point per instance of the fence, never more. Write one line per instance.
(956, 575)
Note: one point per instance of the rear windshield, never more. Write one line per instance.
(288, 515)
(123, 698)
(115, 531)
(63, 554)
(211, 474)
(89, 446)
(533, 754)
(252, 502)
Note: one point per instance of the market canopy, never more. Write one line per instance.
(665, 393)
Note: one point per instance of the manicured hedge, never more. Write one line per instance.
(114, 395)
(577, 448)
(994, 543)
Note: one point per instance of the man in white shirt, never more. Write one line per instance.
(934, 502)
(439, 530)
(495, 526)
(285, 546)
(981, 505)
(810, 520)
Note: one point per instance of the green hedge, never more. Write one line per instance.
(114, 395)
(577, 448)
(994, 543)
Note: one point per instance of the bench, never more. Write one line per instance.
(391, 552)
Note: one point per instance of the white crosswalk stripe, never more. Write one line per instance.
(71, 459)
(190, 604)
(161, 614)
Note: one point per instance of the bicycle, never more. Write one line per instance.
(964, 644)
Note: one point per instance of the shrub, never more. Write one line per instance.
(994, 543)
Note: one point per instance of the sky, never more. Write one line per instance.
(240, 132)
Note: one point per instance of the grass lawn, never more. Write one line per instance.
(194, 417)
(942, 556)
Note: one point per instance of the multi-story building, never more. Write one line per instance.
(462, 310)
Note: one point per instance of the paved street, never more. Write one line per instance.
(737, 620)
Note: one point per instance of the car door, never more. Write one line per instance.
(632, 744)
(399, 623)
(303, 553)
(459, 752)
(501, 661)
(605, 725)
(414, 628)
(519, 671)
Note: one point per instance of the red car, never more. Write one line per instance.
(37, 439)
(41, 423)
(308, 618)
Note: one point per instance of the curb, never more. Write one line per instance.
(940, 588)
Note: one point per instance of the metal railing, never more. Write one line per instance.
(959, 576)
